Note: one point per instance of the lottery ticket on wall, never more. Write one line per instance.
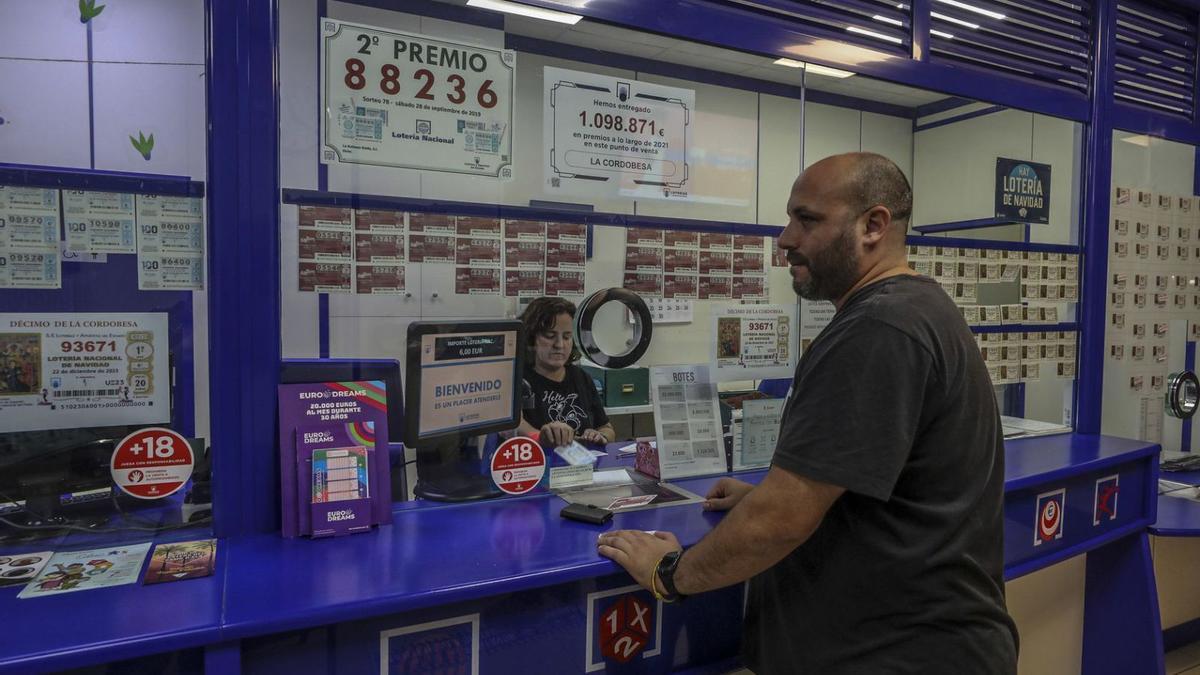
(61, 371)
(31, 269)
(753, 342)
(170, 242)
(29, 252)
(28, 219)
(99, 222)
(687, 419)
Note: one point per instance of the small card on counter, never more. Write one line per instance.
(181, 560)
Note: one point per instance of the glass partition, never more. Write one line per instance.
(456, 166)
(103, 314)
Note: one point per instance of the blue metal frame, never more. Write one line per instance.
(1097, 179)
(959, 118)
(358, 201)
(960, 225)
(104, 181)
(244, 324)
(728, 26)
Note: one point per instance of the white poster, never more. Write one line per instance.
(814, 316)
(99, 222)
(760, 432)
(687, 419)
(415, 101)
(170, 242)
(753, 342)
(60, 371)
(616, 137)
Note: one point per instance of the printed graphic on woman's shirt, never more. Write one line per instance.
(561, 408)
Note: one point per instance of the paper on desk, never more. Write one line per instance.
(597, 453)
(612, 477)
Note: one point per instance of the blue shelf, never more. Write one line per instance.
(23, 175)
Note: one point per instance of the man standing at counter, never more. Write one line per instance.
(875, 541)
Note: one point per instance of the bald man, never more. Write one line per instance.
(875, 542)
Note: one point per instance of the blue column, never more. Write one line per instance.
(1096, 185)
(243, 249)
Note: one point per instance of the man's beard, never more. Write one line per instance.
(832, 272)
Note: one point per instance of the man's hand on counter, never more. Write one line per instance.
(637, 551)
(593, 436)
(726, 494)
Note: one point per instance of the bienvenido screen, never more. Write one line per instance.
(468, 380)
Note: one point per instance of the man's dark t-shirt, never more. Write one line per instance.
(892, 402)
(574, 401)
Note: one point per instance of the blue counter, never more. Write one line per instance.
(508, 578)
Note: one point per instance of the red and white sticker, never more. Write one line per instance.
(152, 463)
(518, 465)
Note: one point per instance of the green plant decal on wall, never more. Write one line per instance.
(143, 144)
(88, 10)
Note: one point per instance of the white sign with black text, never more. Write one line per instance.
(61, 371)
(415, 101)
(615, 136)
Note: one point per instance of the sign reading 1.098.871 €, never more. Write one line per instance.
(616, 136)
(416, 102)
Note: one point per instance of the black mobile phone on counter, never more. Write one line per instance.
(586, 513)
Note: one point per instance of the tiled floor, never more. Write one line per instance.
(1184, 661)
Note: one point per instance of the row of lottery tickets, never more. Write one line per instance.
(1025, 357)
(1153, 279)
(698, 265)
(366, 251)
(40, 228)
(1047, 281)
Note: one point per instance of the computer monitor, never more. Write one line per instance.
(463, 377)
(464, 381)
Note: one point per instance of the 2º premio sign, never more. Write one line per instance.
(413, 101)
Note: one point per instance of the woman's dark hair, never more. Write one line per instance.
(539, 317)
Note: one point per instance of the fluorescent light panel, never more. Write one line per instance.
(972, 8)
(526, 10)
(888, 19)
(817, 69)
(941, 33)
(873, 34)
(814, 68)
(951, 19)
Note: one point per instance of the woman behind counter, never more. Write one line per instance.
(568, 406)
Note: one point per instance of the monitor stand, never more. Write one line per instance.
(449, 471)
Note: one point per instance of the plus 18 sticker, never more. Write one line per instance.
(518, 465)
(152, 463)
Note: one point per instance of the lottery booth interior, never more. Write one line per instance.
(429, 163)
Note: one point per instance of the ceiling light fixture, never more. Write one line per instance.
(942, 34)
(972, 8)
(526, 10)
(888, 19)
(951, 19)
(814, 68)
(873, 34)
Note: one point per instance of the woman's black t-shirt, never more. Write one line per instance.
(574, 401)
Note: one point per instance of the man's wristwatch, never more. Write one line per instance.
(666, 573)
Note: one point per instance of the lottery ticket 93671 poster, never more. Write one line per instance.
(60, 371)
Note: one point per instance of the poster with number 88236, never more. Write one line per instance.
(415, 101)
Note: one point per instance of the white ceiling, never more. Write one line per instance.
(595, 35)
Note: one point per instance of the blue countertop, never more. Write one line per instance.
(431, 555)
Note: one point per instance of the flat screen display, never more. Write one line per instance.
(467, 379)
